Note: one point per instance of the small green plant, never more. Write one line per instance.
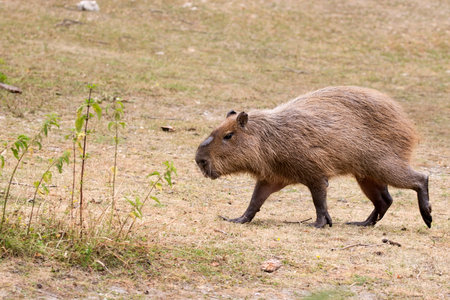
(2, 157)
(117, 114)
(21, 147)
(46, 178)
(137, 204)
(83, 119)
(75, 136)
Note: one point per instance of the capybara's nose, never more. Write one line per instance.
(201, 162)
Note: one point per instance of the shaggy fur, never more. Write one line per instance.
(329, 132)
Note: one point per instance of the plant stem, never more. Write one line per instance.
(83, 159)
(34, 196)
(73, 183)
(9, 187)
(113, 204)
(143, 202)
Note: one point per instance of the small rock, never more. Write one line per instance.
(167, 128)
(39, 286)
(271, 265)
(88, 5)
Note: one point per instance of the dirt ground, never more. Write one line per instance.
(186, 64)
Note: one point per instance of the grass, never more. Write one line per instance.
(172, 65)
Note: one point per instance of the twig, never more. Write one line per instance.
(294, 70)
(355, 245)
(221, 231)
(386, 241)
(98, 42)
(103, 265)
(30, 185)
(297, 222)
(68, 22)
(10, 88)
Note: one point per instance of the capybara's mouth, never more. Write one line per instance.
(210, 174)
(208, 171)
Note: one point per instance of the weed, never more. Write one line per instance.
(117, 114)
(83, 119)
(137, 204)
(21, 147)
(46, 178)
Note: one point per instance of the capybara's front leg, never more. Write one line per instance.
(319, 195)
(262, 191)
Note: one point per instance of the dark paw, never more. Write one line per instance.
(365, 223)
(322, 221)
(427, 218)
(240, 220)
(426, 215)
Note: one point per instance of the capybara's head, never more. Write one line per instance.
(227, 149)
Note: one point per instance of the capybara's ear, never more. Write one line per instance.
(230, 113)
(242, 119)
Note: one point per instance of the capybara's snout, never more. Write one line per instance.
(204, 162)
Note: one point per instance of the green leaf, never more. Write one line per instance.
(23, 137)
(66, 156)
(45, 129)
(47, 177)
(38, 144)
(15, 152)
(122, 124)
(156, 199)
(79, 123)
(36, 184)
(97, 109)
(2, 161)
(59, 167)
(110, 125)
(155, 173)
(168, 179)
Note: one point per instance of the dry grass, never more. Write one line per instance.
(186, 68)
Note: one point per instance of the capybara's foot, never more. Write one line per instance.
(240, 220)
(321, 221)
(371, 220)
(424, 204)
(426, 214)
(364, 223)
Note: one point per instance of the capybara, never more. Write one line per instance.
(330, 132)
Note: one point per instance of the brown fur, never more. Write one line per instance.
(329, 132)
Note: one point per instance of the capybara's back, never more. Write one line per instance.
(340, 130)
(329, 132)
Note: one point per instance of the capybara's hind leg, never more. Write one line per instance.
(319, 195)
(424, 203)
(261, 192)
(407, 178)
(380, 197)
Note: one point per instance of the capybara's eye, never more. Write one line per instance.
(228, 136)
